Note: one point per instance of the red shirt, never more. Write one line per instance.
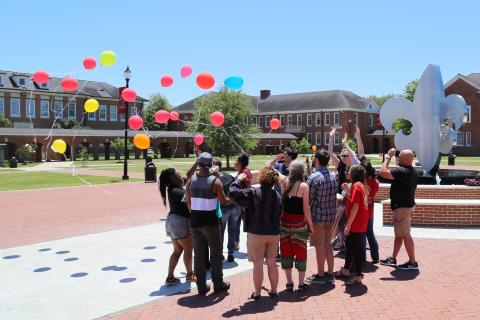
(247, 182)
(372, 191)
(357, 195)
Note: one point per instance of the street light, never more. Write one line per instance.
(127, 74)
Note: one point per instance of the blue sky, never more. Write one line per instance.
(368, 47)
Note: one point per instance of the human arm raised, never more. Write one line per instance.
(358, 137)
(384, 170)
(333, 156)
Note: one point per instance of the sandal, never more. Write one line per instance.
(273, 294)
(170, 281)
(355, 280)
(255, 297)
(191, 277)
(302, 287)
(289, 286)
(341, 273)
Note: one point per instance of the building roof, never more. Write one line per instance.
(296, 102)
(85, 87)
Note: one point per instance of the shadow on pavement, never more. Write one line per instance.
(369, 268)
(265, 304)
(402, 275)
(181, 288)
(197, 301)
(356, 290)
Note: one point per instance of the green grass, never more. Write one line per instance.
(38, 180)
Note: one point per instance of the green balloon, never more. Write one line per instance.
(108, 58)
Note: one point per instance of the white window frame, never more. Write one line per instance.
(72, 106)
(336, 139)
(15, 115)
(469, 114)
(299, 120)
(260, 121)
(28, 108)
(318, 119)
(20, 82)
(355, 118)
(460, 142)
(113, 113)
(267, 121)
(102, 109)
(336, 119)
(326, 119)
(309, 137)
(370, 120)
(468, 139)
(92, 116)
(58, 113)
(282, 121)
(2, 106)
(318, 138)
(309, 120)
(326, 138)
(289, 120)
(42, 109)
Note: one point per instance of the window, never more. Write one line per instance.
(336, 138)
(327, 119)
(133, 111)
(299, 119)
(336, 119)
(72, 112)
(44, 109)
(260, 122)
(460, 141)
(113, 113)
(469, 114)
(309, 120)
(44, 85)
(289, 120)
(370, 120)
(318, 119)
(282, 121)
(1, 83)
(468, 139)
(309, 137)
(255, 120)
(21, 82)
(318, 138)
(30, 108)
(102, 112)
(267, 121)
(58, 107)
(15, 107)
(326, 138)
(355, 119)
(92, 116)
(2, 106)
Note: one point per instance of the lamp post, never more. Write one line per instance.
(349, 127)
(127, 74)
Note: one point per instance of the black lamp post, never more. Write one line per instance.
(127, 74)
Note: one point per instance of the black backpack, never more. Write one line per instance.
(227, 180)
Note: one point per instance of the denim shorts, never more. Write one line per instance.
(177, 227)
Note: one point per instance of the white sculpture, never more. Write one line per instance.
(428, 113)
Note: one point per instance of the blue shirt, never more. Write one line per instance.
(282, 168)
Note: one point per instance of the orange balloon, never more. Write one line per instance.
(141, 141)
(205, 80)
(274, 123)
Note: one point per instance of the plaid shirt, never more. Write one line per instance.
(323, 195)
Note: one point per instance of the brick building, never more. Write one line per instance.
(468, 137)
(311, 115)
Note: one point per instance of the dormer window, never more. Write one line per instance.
(1, 81)
(21, 82)
(44, 86)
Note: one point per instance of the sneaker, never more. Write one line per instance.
(390, 261)
(408, 266)
(223, 287)
(329, 278)
(203, 292)
(316, 278)
(230, 258)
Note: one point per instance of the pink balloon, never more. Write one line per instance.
(166, 81)
(129, 95)
(217, 118)
(41, 76)
(69, 84)
(135, 122)
(162, 116)
(89, 63)
(174, 116)
(185, 71)
(198, 139)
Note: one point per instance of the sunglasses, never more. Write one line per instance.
(345, 155)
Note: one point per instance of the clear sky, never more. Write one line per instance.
(368, 47)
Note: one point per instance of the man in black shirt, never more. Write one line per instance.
(402, 202)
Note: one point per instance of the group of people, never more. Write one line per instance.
(296, 202)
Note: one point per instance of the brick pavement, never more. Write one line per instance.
(447, 287)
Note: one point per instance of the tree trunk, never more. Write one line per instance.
(228, 161)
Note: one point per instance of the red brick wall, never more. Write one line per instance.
(439, 215)
(434, 192)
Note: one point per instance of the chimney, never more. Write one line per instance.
(264, 94)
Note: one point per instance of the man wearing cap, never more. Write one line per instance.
(204, 191)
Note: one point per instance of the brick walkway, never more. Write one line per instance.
(447, 287)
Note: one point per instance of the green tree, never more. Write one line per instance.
(236, 134)
(4, 122)
(380, 100)
(410, 89)
(402, 124)
(24, 153)
(119, 144)
(302, 146)
(156, 102)
(352, 144)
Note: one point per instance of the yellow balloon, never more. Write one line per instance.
(108, 58)
(314, 148)
(59, 146)
(141, 141)
(91, 105)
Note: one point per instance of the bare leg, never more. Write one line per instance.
(301, 277)
(320, 255)
(258, 276)
(288, 274)
(396, 246)
(410, 247)
(272, 274)
(186, 244)
(174, 257)
(329, 257)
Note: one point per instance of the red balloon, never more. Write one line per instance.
(135, 122)
(162, 116)
(41, 77)
(217, 118)
(129, 95)
(174, 116)
(89, 63)
(205, 80)
(69, 84)
(198, 139)
(166, 81)
(185, 71)
(274, 123)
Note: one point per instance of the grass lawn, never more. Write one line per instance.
(37, 180)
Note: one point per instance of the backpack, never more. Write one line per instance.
(227, 180)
